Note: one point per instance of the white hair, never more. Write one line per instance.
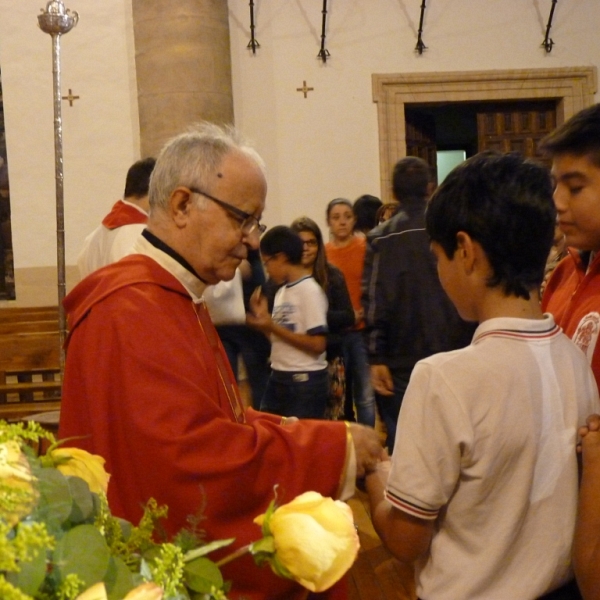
(192, 157)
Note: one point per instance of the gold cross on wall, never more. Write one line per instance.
(304, 89)
(70, 97)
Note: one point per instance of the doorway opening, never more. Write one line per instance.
(445, 134)
(567, 90)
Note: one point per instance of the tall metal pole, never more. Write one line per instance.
(57, 20)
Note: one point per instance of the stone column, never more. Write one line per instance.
(183, 65)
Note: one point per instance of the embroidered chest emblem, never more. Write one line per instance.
(587, 332)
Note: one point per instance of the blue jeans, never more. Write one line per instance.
(297, 394)
(389, 406)
(358, 377)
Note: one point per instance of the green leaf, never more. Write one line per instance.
(266, 544)
(118, 579)
(266, 526)
(31, 574)
(126, 528)
(201, 575)
(82, 551)
(207, 549)
(55, 503)
(83, 503)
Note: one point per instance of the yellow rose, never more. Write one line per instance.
(315, 539)
(79, 463)
(146, 591)
(18, 492)
(96, 592)
(13, 463)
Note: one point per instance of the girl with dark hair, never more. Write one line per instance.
(340, 314)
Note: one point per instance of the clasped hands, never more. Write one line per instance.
(368, 449)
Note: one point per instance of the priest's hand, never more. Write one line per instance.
(367, 447)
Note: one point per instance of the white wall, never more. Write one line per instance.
(316, 148)
(100, 131)
(326, 146)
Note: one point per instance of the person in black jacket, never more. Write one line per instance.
(407, 313)
(340, 313)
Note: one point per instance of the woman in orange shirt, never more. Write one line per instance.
(347, 252)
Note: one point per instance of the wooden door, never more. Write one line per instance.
(420, 137)
(515, 126)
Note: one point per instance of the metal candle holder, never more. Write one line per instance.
(56, 20)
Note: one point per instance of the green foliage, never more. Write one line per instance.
(57, 538)
(23, 433)
(125, 541)
(167, 569)
(203, 576)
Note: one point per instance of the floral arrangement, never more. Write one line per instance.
(59, 540)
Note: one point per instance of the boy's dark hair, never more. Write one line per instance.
(365, 209)
(138, 178)
(284, 240)
(410, 180)
(580, 136)
(504, 202)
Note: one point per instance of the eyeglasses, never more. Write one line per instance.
(313, 243)
(267, 260)
(248, 223)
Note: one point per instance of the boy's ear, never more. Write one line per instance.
(466, 251)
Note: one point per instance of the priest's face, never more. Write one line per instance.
(216, 236)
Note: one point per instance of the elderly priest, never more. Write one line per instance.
(147, 384)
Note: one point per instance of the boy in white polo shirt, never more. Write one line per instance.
(482, 487)
(298, 385)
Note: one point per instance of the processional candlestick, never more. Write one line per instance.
(548, 41)
(323, 52)
(57, 20)
(253, 43)
(420, 44)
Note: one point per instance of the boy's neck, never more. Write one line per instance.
(296, 272)
(497, 305)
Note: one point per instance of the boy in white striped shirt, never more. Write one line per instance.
(482, 487)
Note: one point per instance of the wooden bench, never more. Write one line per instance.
(20, 315)
(30, 376)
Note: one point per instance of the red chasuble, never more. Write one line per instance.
(123, 214)
(148, 382)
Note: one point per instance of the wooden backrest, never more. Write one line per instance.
(25, 351)
(30, 378)
(26, 314)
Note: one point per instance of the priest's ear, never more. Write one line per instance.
(180, 205)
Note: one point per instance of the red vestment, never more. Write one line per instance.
(573, 297)
(142, 381)
(123, 214)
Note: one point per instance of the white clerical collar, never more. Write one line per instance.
(188, 280)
